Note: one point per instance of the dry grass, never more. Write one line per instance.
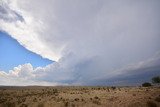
(79, 96)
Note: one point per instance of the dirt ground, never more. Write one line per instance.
(74, 96)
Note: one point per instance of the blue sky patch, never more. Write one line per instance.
(13, 54)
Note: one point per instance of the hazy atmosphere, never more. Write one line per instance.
(79, 42)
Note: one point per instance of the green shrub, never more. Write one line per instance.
(113, 88)
(156, 80)
(146, 84)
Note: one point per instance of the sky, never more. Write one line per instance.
(79, 42)
(14, 54)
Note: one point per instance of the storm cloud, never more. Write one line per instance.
(91, 41)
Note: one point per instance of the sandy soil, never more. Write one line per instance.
(36, 96)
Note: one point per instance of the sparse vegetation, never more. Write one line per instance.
(76, 99)
(80, 96)
(146, 84)
(96, 102)
(66, 104)
(151, 104)
(157, 99)
(96, 97)
(156, 80)
(35, 100)
(113, 88)
(134, 94)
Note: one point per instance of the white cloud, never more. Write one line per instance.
(26, 75)
(84, 73)
(88, 39)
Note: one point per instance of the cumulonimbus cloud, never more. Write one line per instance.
(88, 39)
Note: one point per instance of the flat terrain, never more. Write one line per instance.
(35, 96)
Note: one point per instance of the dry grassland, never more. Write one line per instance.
(36, 96)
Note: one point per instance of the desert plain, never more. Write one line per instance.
(78, 96)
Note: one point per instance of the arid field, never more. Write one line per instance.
(74, 96)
